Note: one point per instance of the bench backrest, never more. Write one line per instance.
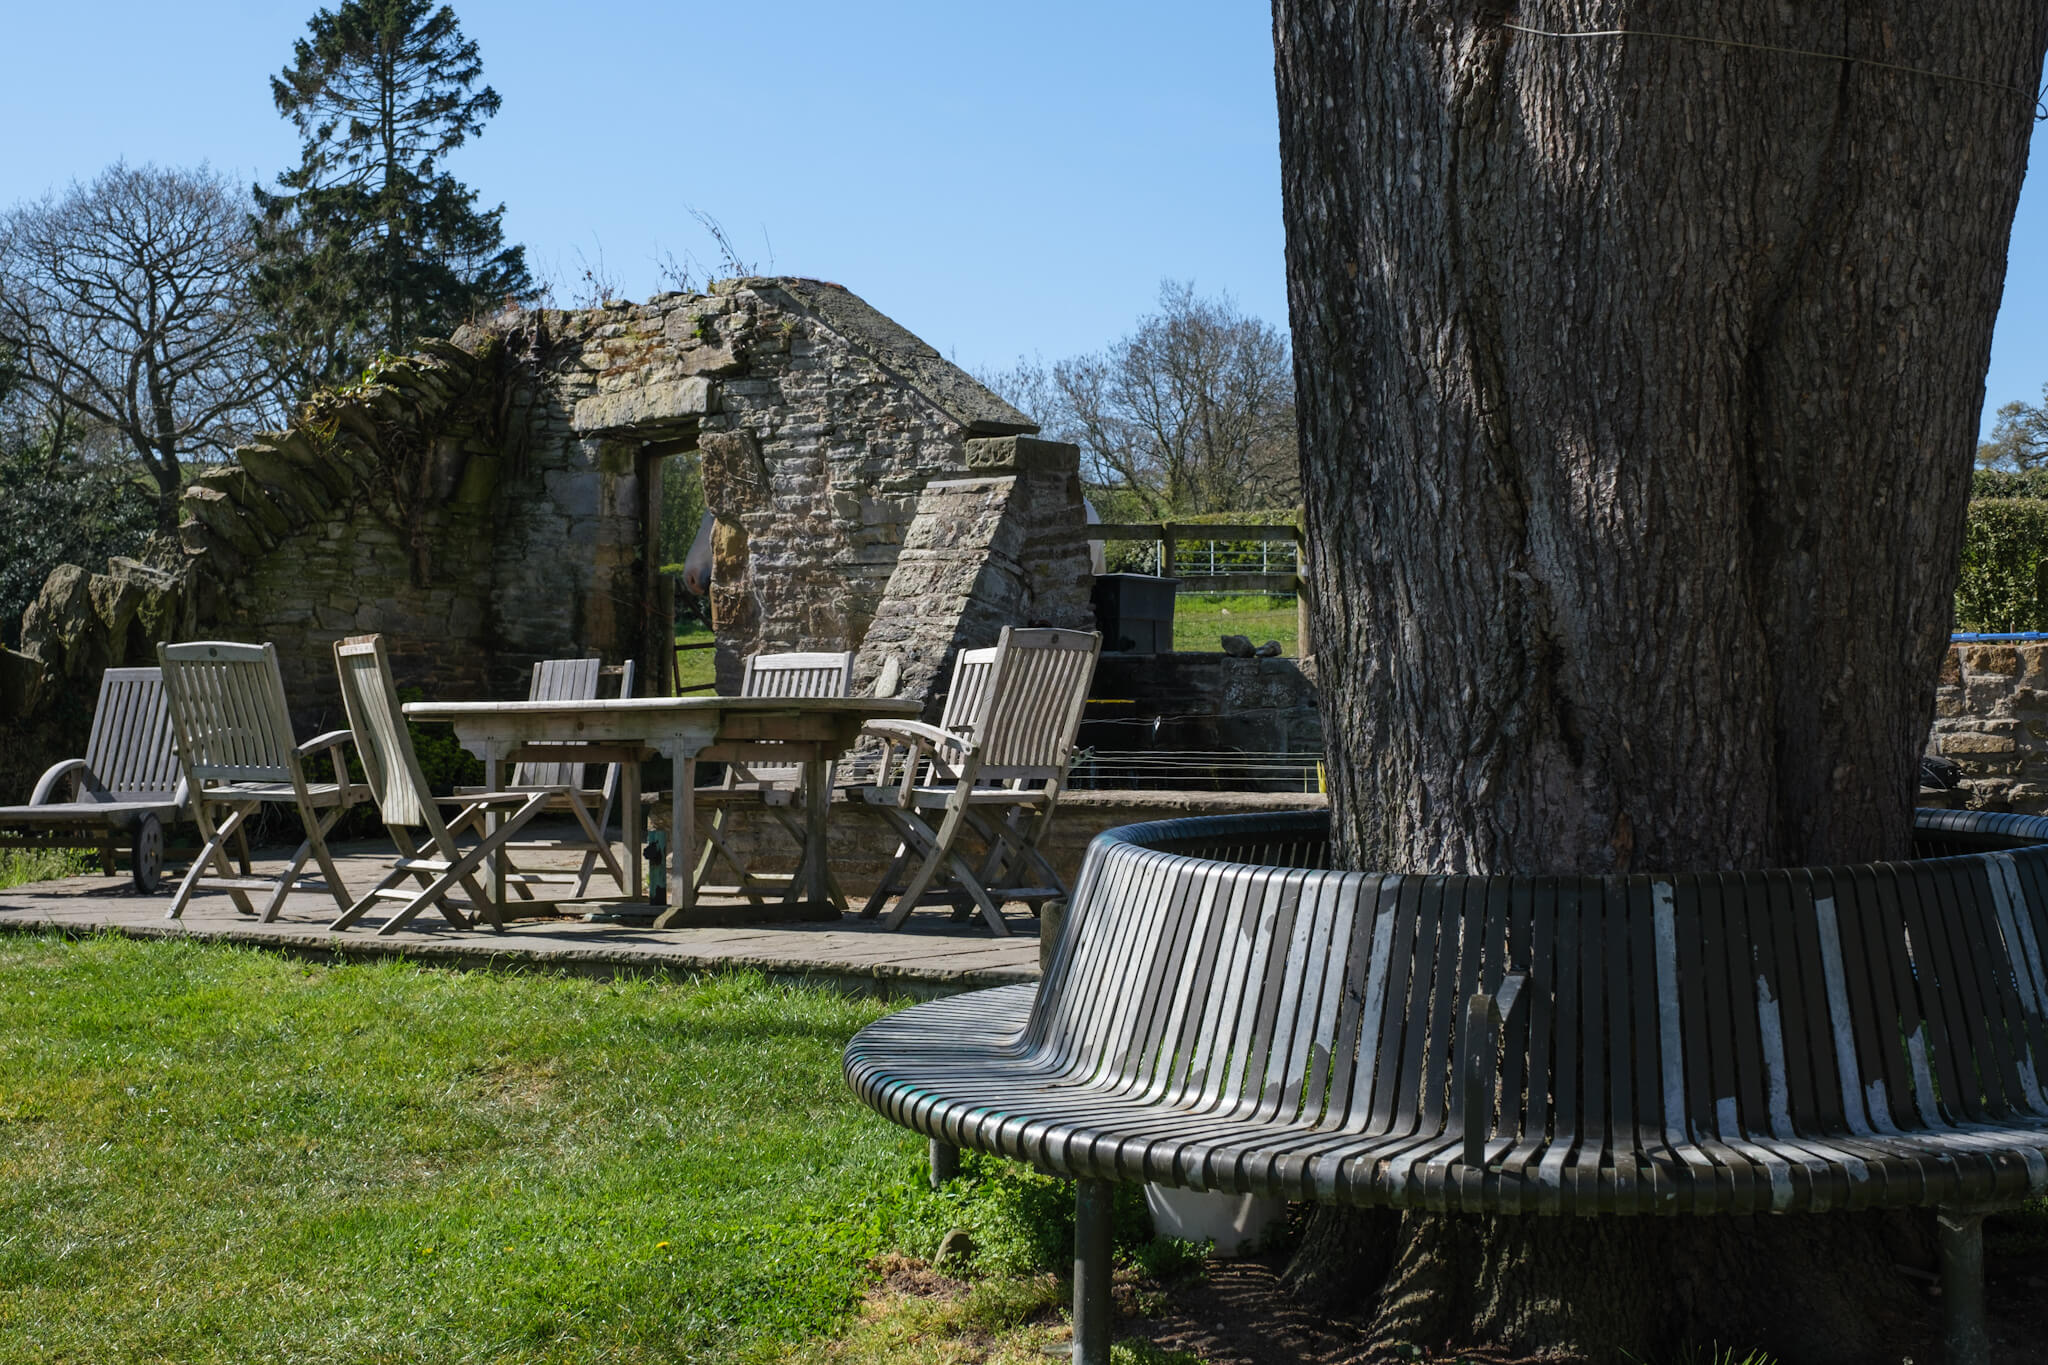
(228, 711)
(130, 749)
(1683, 1010)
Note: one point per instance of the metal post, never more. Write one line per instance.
(1091, 1271)
(945, 1162)
(1964, 1340)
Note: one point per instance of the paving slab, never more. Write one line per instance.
(932, 955)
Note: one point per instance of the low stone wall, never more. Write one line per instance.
(862, 842)
(1991, 716)
(1205, 703)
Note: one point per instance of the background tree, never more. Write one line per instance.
(125, 305)
(1640, 355)
(2019, 439)
(370, 244)
(1192, 412)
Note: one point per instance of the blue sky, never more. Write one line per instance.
(1003, 180)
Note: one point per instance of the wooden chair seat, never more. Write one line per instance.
(318, 794)
(1224, 1014)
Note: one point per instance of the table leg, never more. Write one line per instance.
(630, 824)
(682, 839)
(817, 805)
(494, 769)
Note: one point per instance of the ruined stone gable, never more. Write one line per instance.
(492, 500)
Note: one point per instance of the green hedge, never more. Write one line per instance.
(2004, 586)
(2007, 483)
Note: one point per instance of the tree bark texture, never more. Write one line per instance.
(1639, 354)
(1639, 380)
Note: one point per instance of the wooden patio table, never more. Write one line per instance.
(685, 730)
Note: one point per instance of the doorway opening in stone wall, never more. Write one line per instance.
(677, 522)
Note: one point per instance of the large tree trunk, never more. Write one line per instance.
(1638, 380)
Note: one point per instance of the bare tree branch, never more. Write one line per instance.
(127, 301)
(1193, 412)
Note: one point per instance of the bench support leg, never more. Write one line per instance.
(1092, 1200)
(1961, 1236)
(945, 1163)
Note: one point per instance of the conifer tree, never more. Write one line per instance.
(370, 243)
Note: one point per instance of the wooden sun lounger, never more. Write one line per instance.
(125, 791)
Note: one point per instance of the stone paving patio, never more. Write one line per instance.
(930, 956)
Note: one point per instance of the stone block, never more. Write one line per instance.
(2003, 660)
(640, 409)
(1976, 743)
(1021, 453)
(22, 686)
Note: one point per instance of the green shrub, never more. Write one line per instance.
(2009, 483)
(2003, 585)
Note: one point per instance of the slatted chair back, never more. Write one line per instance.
(1030, 705)
(971, 669)
(376, 717)
(792, 675)
(130, 749)
(228, 711)
(1695, 1043)
(565, 680)
(797, 675)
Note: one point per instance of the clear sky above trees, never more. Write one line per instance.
(1003, 180)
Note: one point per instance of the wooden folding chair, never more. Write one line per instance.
(234, 737)
(565, 680)
(994, 765)
(779, 787)
(406, 802)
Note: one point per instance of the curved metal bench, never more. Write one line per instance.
(1222, 1013)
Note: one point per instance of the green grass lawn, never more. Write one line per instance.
(212, 1154)
(1201, 620)
(693, 666)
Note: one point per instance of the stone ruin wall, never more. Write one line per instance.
(484, 504)
(1991, 716)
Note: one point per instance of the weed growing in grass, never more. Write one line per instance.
(20, 866)
(1022, 1222)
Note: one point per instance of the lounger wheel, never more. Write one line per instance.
(147, 855)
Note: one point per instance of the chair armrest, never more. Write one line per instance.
(910, 731)
(333, 739)
(336, 743)
(46, 785)
(1485, 1017)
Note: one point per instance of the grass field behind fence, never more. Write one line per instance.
(209, 1154)
(1201, 620)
